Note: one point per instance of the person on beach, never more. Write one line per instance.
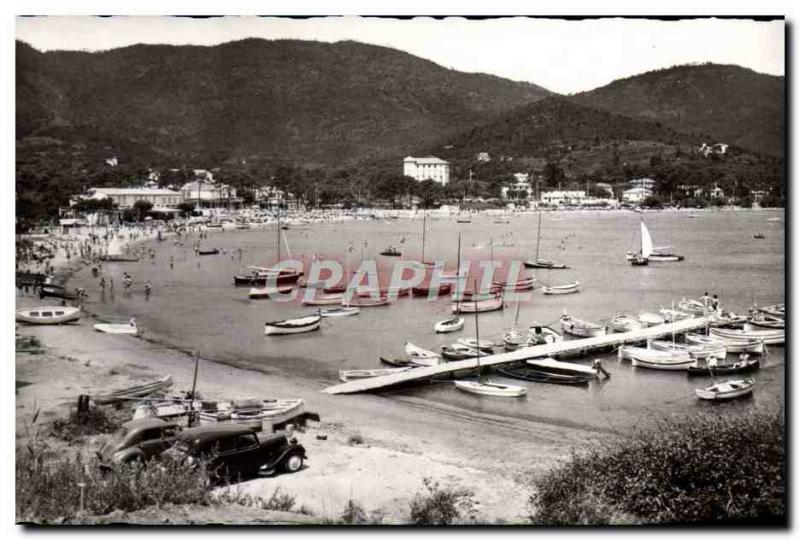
(102, 282)
(715, 303)
(171, 262)
(147, 289)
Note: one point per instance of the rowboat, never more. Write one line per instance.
(534, 375)
(48, 315)
(770, 337)
(673, 315)
(210, 251)
(371, 302)
(516, 338)
(717, 350)
(57, 291)
(293, 326)
(324, 300)
(648, 319)
(352, 374)
(458, 351)
(726, 319)
(578, 327)
(481, 306)
(732, 345)
(523, 284)
(483, 294)
(726, 389)
(420, 356)
(395, 361)
(271, 412)
(340, 311)
(483, 344)
(623, 322)
(137, 391)
(463, 220)
(540, 334)
(549, 365)
(269, 292)
(760, 321)
(118, 328)
(663, 360)
(394, 292)
(567, 288)
(545, 263)
(777, 310)
(742, 366)
(486, 388)
(452, 324)
(695, 307)
(426, 290)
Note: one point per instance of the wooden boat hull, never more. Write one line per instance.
(449, 325)
(353, 374)
(257, 293)
(647, 358)
(132, 392)
(732, 345)
(532, 375)
(293, 326)
(395, 361)
(770, 337)
(521, 285)
(726, 390)
(420, 356)
(340, 312)
(481, 306)
(57, 315)
(491, 389)
(330, 300)
(548, 365)
(213, 251)
(577, 327)
(562, 289)
(455, 352)
(545, 265)
(696, 351)
(444, 288)
(111, 328)
(715, 371)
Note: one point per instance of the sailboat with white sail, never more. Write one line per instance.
(648, 252)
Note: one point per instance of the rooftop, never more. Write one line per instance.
(131, 191)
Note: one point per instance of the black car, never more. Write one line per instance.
(233, 451)
(139, 440)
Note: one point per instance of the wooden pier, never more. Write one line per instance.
(585, 345)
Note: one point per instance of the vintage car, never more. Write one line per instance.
(139, 440)
(234, 451)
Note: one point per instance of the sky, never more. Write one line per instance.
(560, 55)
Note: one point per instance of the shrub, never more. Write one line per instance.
(353, 513)
(49, 485)
(279, 500)
(355, 439)
(442, 505)
(91, 422)
(712, 468)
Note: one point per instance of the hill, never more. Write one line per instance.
(721, 103)
(298, 102)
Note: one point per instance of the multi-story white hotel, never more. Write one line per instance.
(427, 168)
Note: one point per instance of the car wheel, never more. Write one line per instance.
(293, 463)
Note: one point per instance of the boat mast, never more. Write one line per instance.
(424, 216)
(458, 275)
(279, 234)
(538, 235)
(477, 335)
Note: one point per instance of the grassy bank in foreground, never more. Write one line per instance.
(705, 469)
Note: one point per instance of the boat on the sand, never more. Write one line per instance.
(488, 388)
(132, 392)
(48, 315)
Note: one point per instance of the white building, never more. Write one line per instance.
(126, 197)
(427, 168)
(209, 194)
(483, 157)
(636, 194)
(563, 197)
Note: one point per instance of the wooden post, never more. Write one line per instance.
(194, 388)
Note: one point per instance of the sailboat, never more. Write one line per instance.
(453, 324)
(485, 387)
(649, 253)
(346, 310)
(424, 222)
(273, 277)
(542, 262)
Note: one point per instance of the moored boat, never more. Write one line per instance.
(458, 351)
(324, 300)
(353, 374)
(662, 360)
(391, 252)
(131, 392)
(770, 337)
(581, 328)
(726, 389)
(395, 361)
(420, 356)
(487, 388)
(695, 307)
(481, 306)
(546, 264)
(482, 344)
(549, 365)
(293, 326)
(648, 319)
(269, 292)
(732, 345)
(716, 350)
(742, 366)
(453, 324)
(777, 310)
(567, 288)
(534, 375)
(48, 315)
(208, 251)
(343, 311)
(622, 322)
(427, 290)
(674, 315)
(522, 284)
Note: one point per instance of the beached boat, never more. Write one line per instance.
(48, 315)
(649, 252)
(253, 413)
(742, 366)
(567, 288)
(324, 300)
(118, 328)
(732, 345)
(420, 356)
(578, 327)
(208, 251)
(549, 365)
(711, 350)
(648, 319)
(770, 337)
(731, 389)
(480, 306)
(458, 351)
(535, 375)
(622, 322)
(56, 291)
(132, 392)
(293, 326)
(487, 388)
(343, 311)
(353, 374)
(482, 344)
(662, 360)
(269, 292)
(453, 324)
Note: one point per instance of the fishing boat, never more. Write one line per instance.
(118, 328)
(132, 392)
(742, 366)
(482, 344)
(502, 221)
(541, 334)
(56, 291)
(420, 356)
(549, 365)
(488, 388)
(648, 319)
(577, 327)
(622, 322)
(522, 284)
(542, 262)
(391, 252)
(251, 412)
(260, 276)
(732, 345)
(662, 360)
(293, 326)
(209, 251)
(343, 311)
(268, 292)
(353, 374)
(48, 315)
(777, 310)
(760, 321)
(458, 351)
(371, 302)
(479, 306)
(534, 375)
(694, 307)
(453, 324)
(700, 352)
(425, 290)
(731, 389)
(674, 315)
(650, 252)
(324, 300)
(395, 361)
(769, 337)
(759, 236)
(567, 288)
(726, 319)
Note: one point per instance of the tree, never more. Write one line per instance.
(428, 191)
(186, 208)
(142, 207)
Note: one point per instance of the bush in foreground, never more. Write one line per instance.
(442, 505)
(707, 469)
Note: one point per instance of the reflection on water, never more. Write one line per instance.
(195, 305)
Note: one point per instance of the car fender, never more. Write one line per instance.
(128, 455)
(291, 449)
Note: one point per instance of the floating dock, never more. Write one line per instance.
(576, 346)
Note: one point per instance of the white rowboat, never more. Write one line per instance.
(563, 289)
(293, 326)
(420, 356)
(491, 389)
(49, 315)
(730, 389)
(452, 324)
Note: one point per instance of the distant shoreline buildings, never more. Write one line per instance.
(427, 168)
